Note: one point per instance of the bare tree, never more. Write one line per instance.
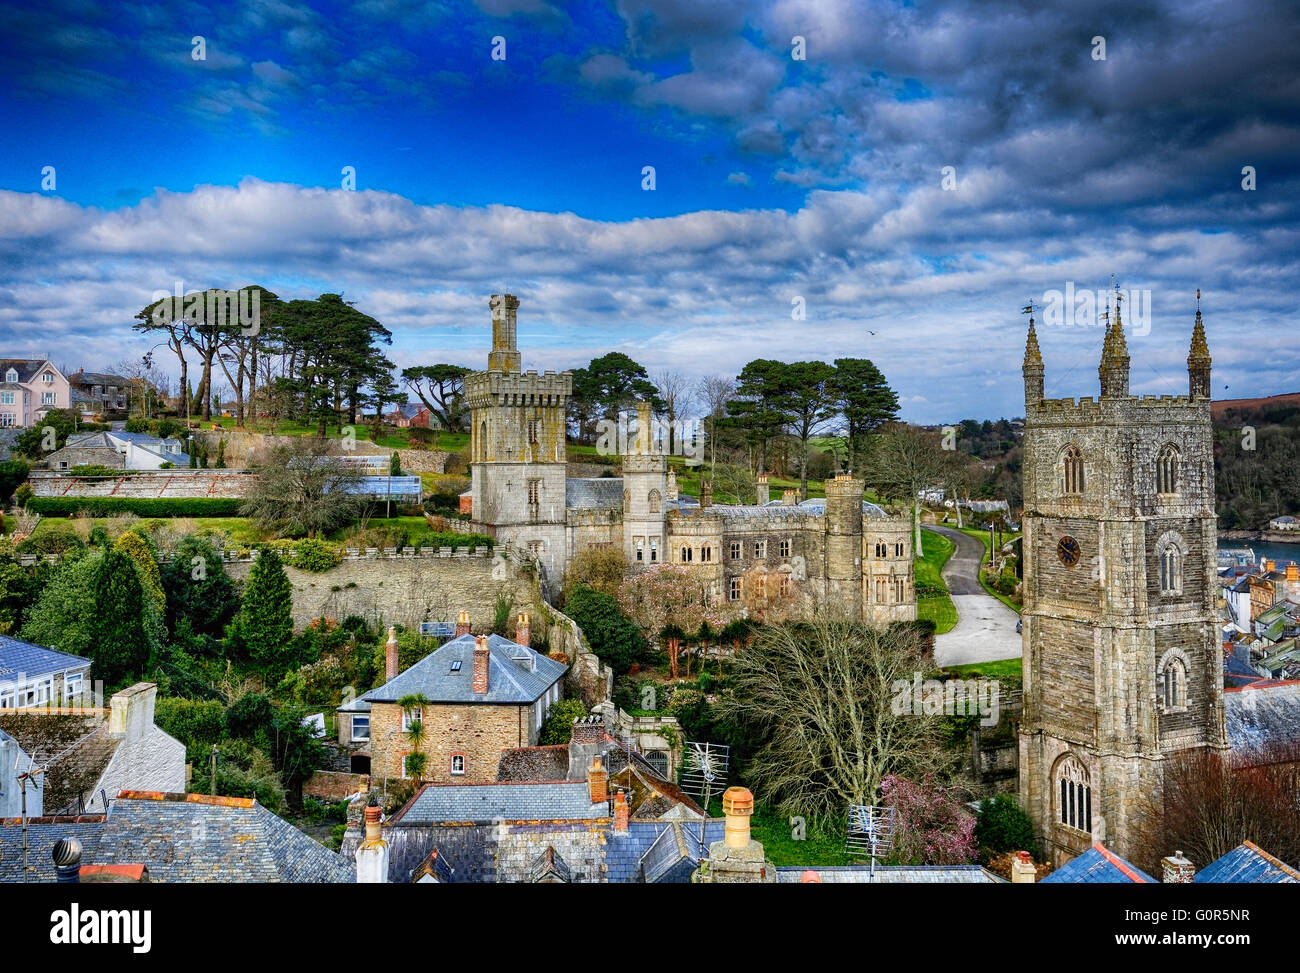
(675, 389)
(905, 461)
(714, 392)
(302, 488)
(822, 695)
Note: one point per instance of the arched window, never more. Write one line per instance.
(654, 500)
(706, 553)
(1171, 683)
(1171, 570)
(1073, 794)
(482, 441)
(1167, 470)
(882, 549)
(1072, 471)
(687, 555)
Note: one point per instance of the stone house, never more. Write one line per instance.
(119, 450)
(29, 388)
(101, 392)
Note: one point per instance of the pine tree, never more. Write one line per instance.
(121, 645)
(266, 616)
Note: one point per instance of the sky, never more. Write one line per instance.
(832, 178)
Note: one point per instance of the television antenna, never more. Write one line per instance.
(870, 832)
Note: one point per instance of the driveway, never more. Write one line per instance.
(986, 628)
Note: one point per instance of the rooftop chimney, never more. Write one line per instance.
(67, 859)
(737, 806)
(372, 853)
(131, 712)
(764, 493)
(738, 858)
(620, 812)
(1270, 566)
(1177, 870)
(462, 624)
(789, 497)
(597, 781)
(1023, 870)
(810, 877)
(481, 656)
(1293, 572)
(523, 631)
(706, 494)
(672, 484)
(390, 656)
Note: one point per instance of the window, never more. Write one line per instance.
(880, 591)
(49, 398)
(47, 377)
(687, 555)
(760, 586)
(457, 764)
(655, 501)
(733, 590)
(74, 685)
(1171, 570)
(900, 590)
(1171, 684)
(482, 441)
(406, 770)
(1167, 470)
(539, 713)
(455, 665)
(535, 548)
(736, 548)
(11, 375)
(360, 728)
(640, 548)
(534, 493)
(760, 548)
(785, 548)
(411, 717)
(658, 761)
(654, 550)
(882, 549)
(900, 549)
(1072, 471)
(6, 398)
(36, 694)
(532, 432)
(706, 553)
(6, 419)
(1074, 795)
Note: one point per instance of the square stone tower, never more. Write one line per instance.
(1122, 662)
(518, 458)
(645, 492)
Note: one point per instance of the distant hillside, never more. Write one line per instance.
(1256, 459)
(1220, 406)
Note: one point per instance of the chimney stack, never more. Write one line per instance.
(462, 624)
(672, 484)
(789, 497)
(481, 656)
(706, 494)
(1177, 870)
(620, 812)
(390, 656)
(1293, 572)
(1270, 566)
(598, 781)
(131, 711)
(764, 493)
(737, 858)
(523, 631)
(372, 853)
(67, 860)
(1023, 870)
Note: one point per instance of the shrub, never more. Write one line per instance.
(1003, 826)
(138, 424)
(315, 555)
(247, 715)
(52, 539)
(141, 506)
(23, 496)
(614, 637)
(13, 473)
(197, 724)
(558, 727)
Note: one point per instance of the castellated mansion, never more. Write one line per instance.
(1122, 662)
(839, 550)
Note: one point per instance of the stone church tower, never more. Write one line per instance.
(517, 447)
(1122, 662)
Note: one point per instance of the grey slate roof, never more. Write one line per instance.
(584, 493)
(1255, 716)
(675, 853)
(1248, 864)
(892, 874)
(508, 680)
(869, 509)
(32, 660)
(516, 801)
(25, 367)
(534, 763)
(42, 835)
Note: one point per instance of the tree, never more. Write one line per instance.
(197, 587)
(303, 488)
(671, 594)
(819, 697)
(412, 706)
(1003, 826)
(903, 462)
(441, 388)
(12, 473)
(809, 399)
(715, 391)
(611, 634)
(295, 751)
(60, 618)
(133, 544)
(761, 407)
(35, 442)
(931, 823)
(865, 400)
(266, 615)
(675, 393)
(383, 390)
(601, 568)
(121, 643)
(560, 718)
(611, 384)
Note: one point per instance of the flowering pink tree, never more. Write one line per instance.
(931, 823)
(671, 595)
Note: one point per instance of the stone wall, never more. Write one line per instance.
(423, 460)
(332, 786)
(478, 732)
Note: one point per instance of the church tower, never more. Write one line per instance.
(1122, 663)
(517, 450)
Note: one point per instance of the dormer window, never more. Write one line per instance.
(11, 375)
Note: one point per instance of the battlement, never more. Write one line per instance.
(644, 463)
(484, 389)
(1086, 409)
(844, 486)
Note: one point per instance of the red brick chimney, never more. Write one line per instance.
(523, 631)
(598, 781)
(390, 656)
(1177, 870)
(620, 811)
(462, 624)
(481, 656)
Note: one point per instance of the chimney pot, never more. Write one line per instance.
(597, 781)
(1023, 871)
(523, 630)
(390, 656)
(737, 806)
(1177, 870)
(462, 624)
(620, 812)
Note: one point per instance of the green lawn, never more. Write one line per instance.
(774, 831)
(937, 607)
(389, 437)
(1005, 671)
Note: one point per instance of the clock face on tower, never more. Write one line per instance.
(1067, 549)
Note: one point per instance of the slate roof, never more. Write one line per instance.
(872, 510)
(675, 853)
(1262, 713)
(436, 865)
(42, 835)
(31, 660)
(517, 801)
(1248, 864)
(534, 763)
(99, 378)
(25, 367)
(892, 874)
(75, 747)
(1097, 866)
(590, 493)
(508, 680)
(549, 865)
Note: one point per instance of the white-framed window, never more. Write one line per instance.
(654, 550)
(6, 398)
(733, 590)
(760, 548)
(736, 548)
(11, 375)
(360, 728)
(36, 694)
(47, 377)
(49, 398)
(539, 713)
(7, 699)
(411, 717)
(406, 770)
(785, 548)
(74, 685)
(639, 543)
(458, 764)
(6, 419)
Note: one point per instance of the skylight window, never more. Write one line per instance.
(455, 665)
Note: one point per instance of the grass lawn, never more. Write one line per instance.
(774, 831)
(983, 536)
(389, 437)
(937, 607)
(1005, 671)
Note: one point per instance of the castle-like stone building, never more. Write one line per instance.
(840, 548)
(1122, 663)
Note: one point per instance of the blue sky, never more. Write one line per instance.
(776, 178)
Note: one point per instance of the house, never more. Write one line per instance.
(88, 754)
(29, 388)
(1245, 864)
(14, 762)
(174, 837)
(1284, 523)
(34, 675)
(411, 415)
(100, 391)
(482, 695)
(119, 450)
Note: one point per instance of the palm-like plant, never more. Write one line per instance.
(413, 706)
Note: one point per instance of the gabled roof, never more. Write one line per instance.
(1098, 865)
(31, 660)
(516, 801)
(516, 674)
(75, 748)
(549, 866)
(1260, 714)
(26, 368)
(1248, 863)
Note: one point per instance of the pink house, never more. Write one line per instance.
(29, 388)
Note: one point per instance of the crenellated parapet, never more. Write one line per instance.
(494, 388)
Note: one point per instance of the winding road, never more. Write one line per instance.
(986, 628)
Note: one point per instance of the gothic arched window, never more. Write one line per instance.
(1073, 794)
(654, 500)
(482, 441)
(882, 549)
(1171, 570)
(1072, 471)
(1171, 683)
(1167, 470)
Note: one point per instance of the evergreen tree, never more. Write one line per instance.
(141, 552)
(266, 617)
(121, 648)
(198, 588)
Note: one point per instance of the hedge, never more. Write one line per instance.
(140, 506)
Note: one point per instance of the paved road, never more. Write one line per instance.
(986, 628)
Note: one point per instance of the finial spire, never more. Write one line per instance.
(1114, 356)
(1033, 364)
(1198, 357)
